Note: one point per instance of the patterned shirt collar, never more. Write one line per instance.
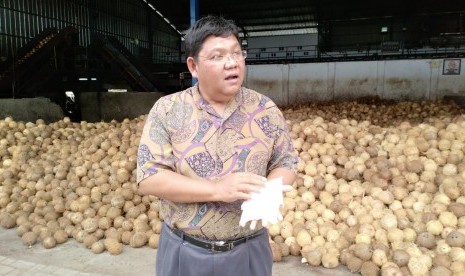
(202, 104)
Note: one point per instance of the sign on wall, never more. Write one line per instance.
(451, 66)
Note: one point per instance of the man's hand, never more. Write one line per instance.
(238, 186)
(265, 205)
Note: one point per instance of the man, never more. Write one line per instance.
(205, 150)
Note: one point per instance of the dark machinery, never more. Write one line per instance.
(122, 61)
(45, 58)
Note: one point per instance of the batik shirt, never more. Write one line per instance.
(184, 134)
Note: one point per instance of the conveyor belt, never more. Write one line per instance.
(116, 54)
(34, 64)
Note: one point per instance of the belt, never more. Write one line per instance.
(214, 246)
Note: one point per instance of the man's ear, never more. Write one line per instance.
(192, 66)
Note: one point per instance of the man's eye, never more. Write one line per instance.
(217, 57)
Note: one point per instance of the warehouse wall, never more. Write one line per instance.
(97, 106)
(282, 41)
(425, 79)
(29, 110)
(284, 83)
(141, 30)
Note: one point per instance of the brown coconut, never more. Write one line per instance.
(442, 260)
(313, 257)
(369, 269)
(455, 239)
(60, 236)
(126, 237)
(89, 240)
(400, 257)
(29, 238)
(457, 208)
(49, 242)
(275, 250)
(440, 271)
(113, 246)
(98, 247)
(8, 221)
(284, 249)
(23, 229)
(426, 239)
(154, 241)
(363, 251)
(354, 264)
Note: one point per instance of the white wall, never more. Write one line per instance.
(388, 79)
(282, 41)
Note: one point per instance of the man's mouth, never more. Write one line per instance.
(232, 77)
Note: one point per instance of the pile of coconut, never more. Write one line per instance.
(380, 187)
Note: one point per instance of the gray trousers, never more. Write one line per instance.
(180, 258)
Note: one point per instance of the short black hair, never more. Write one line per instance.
(208, 26)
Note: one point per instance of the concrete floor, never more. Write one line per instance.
(71, 258)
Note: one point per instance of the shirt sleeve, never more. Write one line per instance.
(155, 152)
(284, 154)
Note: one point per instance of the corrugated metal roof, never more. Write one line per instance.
(275, 16)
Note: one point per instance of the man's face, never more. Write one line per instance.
(219, 68)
